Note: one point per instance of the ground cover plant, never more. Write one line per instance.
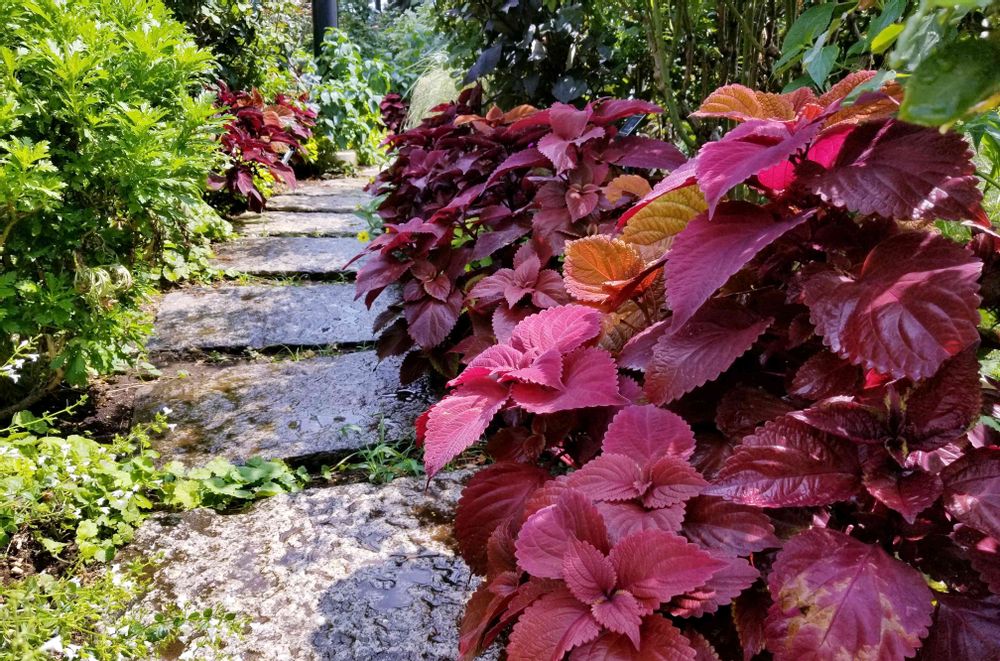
(761, 423)
(260, 140)
(477, 209)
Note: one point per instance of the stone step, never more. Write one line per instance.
(288, 255)
(260, 317)
(339, 201)
(328, 186)
(287, 223)
(350, 572)
(281, 410)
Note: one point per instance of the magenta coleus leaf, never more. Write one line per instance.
(972, 490)
(824, 375)
(492, 496)
(912, 306)
(588, 573)
(549, 532)
(789, 464)
(940, 409)
(838, 598)
(907, 492)
(625, 518)
(659, 641)
(590, 378)
(551, 627)
(746, 150)
(701, 350)
(646, 432)
(727, 527)
(964, 628)
(565, 327)
(707, 253)
(903, 171)
(724, 586)
(458, 420)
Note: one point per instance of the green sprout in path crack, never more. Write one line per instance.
(382, 461)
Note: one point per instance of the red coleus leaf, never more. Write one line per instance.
(789, 464)
(430, 320)
(625, 518)
(620, 613)
(494, 495)
(838, 598)
(825, 375)
(727, 527)
(900, 170)
(964, 628)
(907, 492)
(640, 152)
(746, 150)
(972, 490)
(566, 328)
(656, 566)
(707, 253)
(940, 409)
(610, 477)
(458, 420)
(912, 306)
(588, 573)
(549, 532)
(659, 641)
(644, 433)
(749, 613)
(481, 611)
(671, 481)
(724, 586)
(590, 378)
(551, 627)
(701, 350)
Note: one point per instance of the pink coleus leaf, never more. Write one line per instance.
(495, 362)
(656, 566)
(912, 306)
(551, 627)
(724, 586)
(659, 641)
(624, 518)
(620, 613)
(727, 527)
(647, 432)
(590, 378)
(903, 171)
(672, 481)
(609, 477)
(566, 327)
(609, 111)
(964, 628)
(746, 150)
(786, 463)
(972, 490)
(588, 573)
(492, 496)
(700, 350)
(707, 253)
(838, 598)
(549, 532)
(458, 420)
(545, 370)
(647, 153)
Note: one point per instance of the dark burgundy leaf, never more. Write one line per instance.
(431, 320)
(749, 614)
(707, 253)
(701, 350)
(743, 409)
(838, 598)
(964, 628)
(912, 306)
(907, 492)
(903, 171)
(789, 464)
(825, 375)
(972, 490)
(640, 152)
(715, 524)
(942, 408)
(495, 494)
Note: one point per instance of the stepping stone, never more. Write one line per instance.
(345, 201)
(328, 186)
(273, 223)
(259, 317)
(288, 255)
(282, 410)
(355, 571)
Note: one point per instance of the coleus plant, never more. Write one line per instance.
(478, 208)
(259, 140)
(761, 424)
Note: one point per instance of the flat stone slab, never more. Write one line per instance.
(344, 201)
(287, 223)
(349, 572)
(282, 410)
(329, 186)
(259, 317)
(288, 255)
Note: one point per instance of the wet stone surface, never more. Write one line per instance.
(288, 255)
(350, 572)
(282, 410)
(342, 201)
(259, 317)
(284, 223)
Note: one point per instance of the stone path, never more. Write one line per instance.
(352, 571)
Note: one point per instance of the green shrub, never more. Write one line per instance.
(104, 153)
(348, 95)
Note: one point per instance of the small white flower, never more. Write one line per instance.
(172, 426)
(166, 410)
(32, 357)
(54, 645)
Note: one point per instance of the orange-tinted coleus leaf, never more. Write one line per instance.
(742, 103)
(838, 598)
(653, 228)
(595, 265)
(630, 184)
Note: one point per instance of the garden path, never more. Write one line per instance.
(346, 571)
